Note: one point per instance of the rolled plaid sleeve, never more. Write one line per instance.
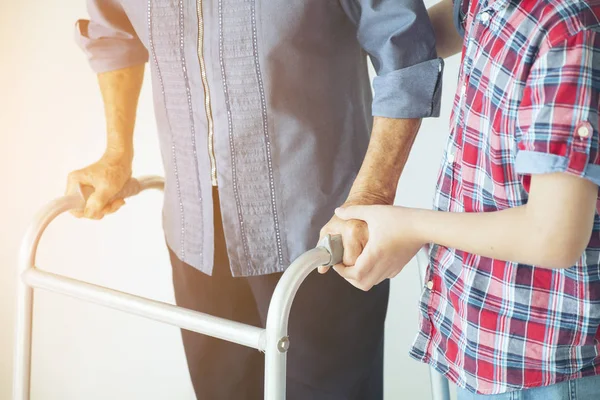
(558, 119)
(108, 38)
(400, 41)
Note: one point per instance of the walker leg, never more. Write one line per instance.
(29, 244)
(329, 252)
(22, 356)
(275, 368)
(440, 388)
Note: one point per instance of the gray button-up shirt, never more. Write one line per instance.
(271, 101)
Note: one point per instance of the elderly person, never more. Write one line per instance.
(265, 117)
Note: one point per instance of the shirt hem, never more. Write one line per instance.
(448, 374)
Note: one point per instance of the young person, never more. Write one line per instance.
(512, 301)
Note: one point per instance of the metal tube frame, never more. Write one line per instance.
(440, 389)
(273, 340)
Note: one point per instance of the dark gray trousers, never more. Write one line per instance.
(336, 333)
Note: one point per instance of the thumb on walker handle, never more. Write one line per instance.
(131, 188)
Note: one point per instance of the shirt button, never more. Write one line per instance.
(430, 285)
(450, 158)
(484, 17)
(583, 132)
(463, 90)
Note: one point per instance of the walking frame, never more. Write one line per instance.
(273, 340)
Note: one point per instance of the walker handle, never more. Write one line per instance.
(335, 247)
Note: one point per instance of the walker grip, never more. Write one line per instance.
(334, 245)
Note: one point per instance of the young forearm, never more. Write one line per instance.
(514, 234)
(389, 148)
(448, 41)
(120, 93)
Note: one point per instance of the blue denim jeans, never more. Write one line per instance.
(579, 389)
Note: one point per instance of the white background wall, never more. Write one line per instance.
(52, 122)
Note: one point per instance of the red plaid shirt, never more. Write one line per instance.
(529, 89)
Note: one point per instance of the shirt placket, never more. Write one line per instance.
(453, 153)
(452, 164)
(480, 22)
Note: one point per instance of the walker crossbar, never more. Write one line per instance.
(220, 328)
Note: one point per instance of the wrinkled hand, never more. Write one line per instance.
(106, 177)
(354, 232)
(354, 237)
(392, 243)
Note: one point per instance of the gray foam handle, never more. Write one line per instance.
(335, 247)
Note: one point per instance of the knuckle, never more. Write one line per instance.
(95, 214)
(93, 207)
(354, 229)
(94, 203)
(103, 185)
(89, 211)
(106, 189)
(360, 275)
(349, 258)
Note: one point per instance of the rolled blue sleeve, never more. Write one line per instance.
(108, 38)
(459, 15)
(399, 38)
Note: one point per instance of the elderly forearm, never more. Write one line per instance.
(120, 92)
(390, 145)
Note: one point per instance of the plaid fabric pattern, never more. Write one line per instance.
(527, 103)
